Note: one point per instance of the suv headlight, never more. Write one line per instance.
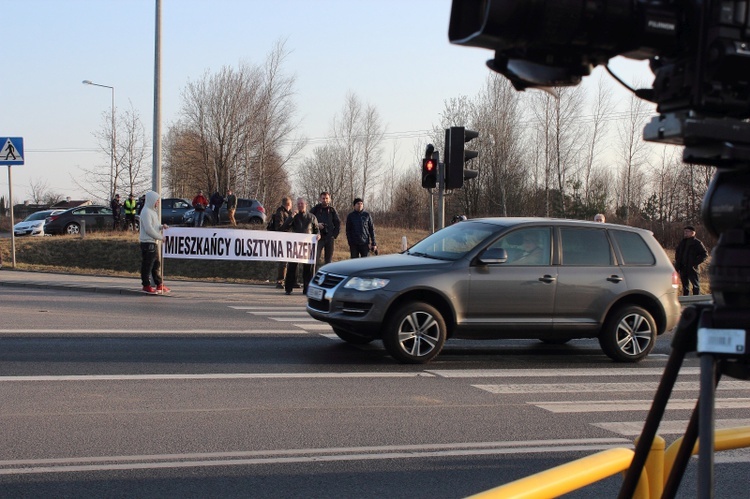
(366, 283)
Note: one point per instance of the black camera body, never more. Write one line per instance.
(699, 50)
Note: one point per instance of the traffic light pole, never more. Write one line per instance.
(441, 191)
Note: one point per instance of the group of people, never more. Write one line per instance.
(201, 204)
(323, 220)
(129, 208)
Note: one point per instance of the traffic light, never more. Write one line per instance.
(456, 154)
(429, 173)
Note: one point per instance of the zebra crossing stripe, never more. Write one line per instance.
(580, 406)
(675, 427)
(644, 386)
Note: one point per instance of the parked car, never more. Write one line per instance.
(553, 280)
(249, 211)
(173, 210)
(33, 225)
(96, 217)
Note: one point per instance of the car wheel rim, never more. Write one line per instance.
(418, 334)
(634, 334)
(73, 229)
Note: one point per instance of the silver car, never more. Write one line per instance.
(553, 280)
(33, 225)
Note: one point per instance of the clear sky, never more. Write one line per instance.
(393, 54)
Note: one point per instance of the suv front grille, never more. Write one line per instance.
(326, 280)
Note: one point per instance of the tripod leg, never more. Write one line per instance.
(683, 342)
(706, 419)
(685, 451)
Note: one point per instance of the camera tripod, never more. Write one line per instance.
(718, 332)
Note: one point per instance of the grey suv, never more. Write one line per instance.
(554, 280)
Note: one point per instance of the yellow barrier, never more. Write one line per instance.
(587, 470)
(724, 439)
(569, 477)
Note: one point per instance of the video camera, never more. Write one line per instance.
(699, 52)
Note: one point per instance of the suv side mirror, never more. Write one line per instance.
(494, 255)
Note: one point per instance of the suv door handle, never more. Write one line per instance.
(547, 278)
(615, 278)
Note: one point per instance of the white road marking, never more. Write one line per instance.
(675, 427)
(579, 406)
(150, 331)
(287, 456)
(644, 386)
(556, 373)
(225, 376)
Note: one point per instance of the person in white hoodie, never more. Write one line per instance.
(151, 232)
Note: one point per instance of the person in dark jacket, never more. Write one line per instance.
(330, 226)
(277, 221)
(360, 231)
(302, 222)
(690, 253)
(216, 201)
(116, 207)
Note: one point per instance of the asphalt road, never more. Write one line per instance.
(223, 391)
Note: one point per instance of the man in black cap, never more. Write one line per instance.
(690, 253)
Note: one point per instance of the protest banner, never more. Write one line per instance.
(199, 243)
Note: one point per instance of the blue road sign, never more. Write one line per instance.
(11, 152)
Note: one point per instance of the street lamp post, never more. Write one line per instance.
(114, 139)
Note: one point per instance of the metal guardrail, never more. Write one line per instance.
(569, 477)
(577, 474)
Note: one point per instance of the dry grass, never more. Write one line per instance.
(118, 254)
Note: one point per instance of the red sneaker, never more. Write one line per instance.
(149, 289)
(161, 288)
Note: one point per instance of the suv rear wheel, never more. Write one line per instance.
(415, 333)
(628, 335)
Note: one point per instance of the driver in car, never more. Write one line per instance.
(533, 254)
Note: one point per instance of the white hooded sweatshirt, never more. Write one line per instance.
(150, 227)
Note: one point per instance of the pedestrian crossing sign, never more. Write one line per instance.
(12, 151)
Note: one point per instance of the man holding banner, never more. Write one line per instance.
(301, 223)
(150, 233)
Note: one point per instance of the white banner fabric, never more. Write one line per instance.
(202, 243)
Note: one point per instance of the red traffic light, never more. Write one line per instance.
(429, 173)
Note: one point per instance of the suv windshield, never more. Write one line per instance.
(454, 241)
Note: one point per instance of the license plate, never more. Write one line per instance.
(315, 293)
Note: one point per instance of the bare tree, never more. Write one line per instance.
(235, 130)
(131, 152)
(633, 156)
(323, 172)
(40, 193)
(601, 110)
(273, 125)
(350, 165)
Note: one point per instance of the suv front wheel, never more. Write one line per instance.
(628, 335)
(415, 333)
